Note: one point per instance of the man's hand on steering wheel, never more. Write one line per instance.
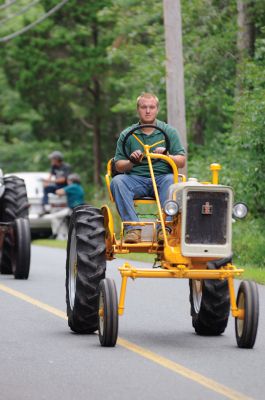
(136, 157)
(160, 150)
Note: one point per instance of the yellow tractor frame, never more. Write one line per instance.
(173, 263)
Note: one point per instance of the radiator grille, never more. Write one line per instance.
(206, 218)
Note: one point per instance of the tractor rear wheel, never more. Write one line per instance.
(14, 205)
(210, 305)
(85, 268)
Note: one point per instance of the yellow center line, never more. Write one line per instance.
(31, 300)
(156, 358)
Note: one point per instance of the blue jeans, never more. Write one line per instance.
(125, 188)
(50, 189)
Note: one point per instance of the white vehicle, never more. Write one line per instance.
(40, 225)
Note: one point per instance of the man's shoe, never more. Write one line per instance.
(46, 210)
(133, 236)
(160, 236)
(41, 214)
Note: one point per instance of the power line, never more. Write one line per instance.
(20, 12)
(6, 5)
(33, 24)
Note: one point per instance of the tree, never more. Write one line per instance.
(136, 55)
(16, 116)
(73, 80)
(60, 68)
(246, 28)
(209, 39)
(248, 138)
(174, 68)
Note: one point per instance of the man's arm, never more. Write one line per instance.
(60, 192)
(179, 159)
(126, 165)
(61, 180)
(123, 165)
(48, 180)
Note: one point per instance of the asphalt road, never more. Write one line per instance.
(158, 355)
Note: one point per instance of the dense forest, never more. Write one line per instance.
(71, 83)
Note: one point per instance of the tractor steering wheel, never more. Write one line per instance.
(167, 142)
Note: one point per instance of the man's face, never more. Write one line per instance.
(147, 110)
(55, 162)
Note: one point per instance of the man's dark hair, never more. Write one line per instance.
(75, 178)
(56, 155)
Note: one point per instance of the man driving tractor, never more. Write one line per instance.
(134, 180)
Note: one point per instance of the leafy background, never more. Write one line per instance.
(71, 84)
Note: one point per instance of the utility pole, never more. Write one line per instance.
(174, 68)
(245, 39)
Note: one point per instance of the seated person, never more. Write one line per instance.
(75, 197)
(135, 182)
(73, 191)
(57, 179)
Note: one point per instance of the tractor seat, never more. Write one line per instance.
(145, 198)
(111, 172)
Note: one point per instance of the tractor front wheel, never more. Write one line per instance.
(108, 313)
(248, 303)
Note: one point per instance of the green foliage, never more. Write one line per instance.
(55, 67)
(137, 54)
(249, 243)
(33, 156)
(249, 135)
(25, 156)
(16, 116)
(75, 78)
(209, 39)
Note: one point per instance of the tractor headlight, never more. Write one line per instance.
(171, 207)
(240, 210)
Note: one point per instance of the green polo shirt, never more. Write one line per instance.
(160, 167)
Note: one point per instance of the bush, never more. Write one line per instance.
(249, 243)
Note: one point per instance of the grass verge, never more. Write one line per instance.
(58, 244)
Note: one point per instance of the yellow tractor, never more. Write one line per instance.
(198, 248)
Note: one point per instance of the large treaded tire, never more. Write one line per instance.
(85, 268)
(22, 249)
(14, 204)
(210, 314)
(15, 200)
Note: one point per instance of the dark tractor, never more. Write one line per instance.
(15, 238)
